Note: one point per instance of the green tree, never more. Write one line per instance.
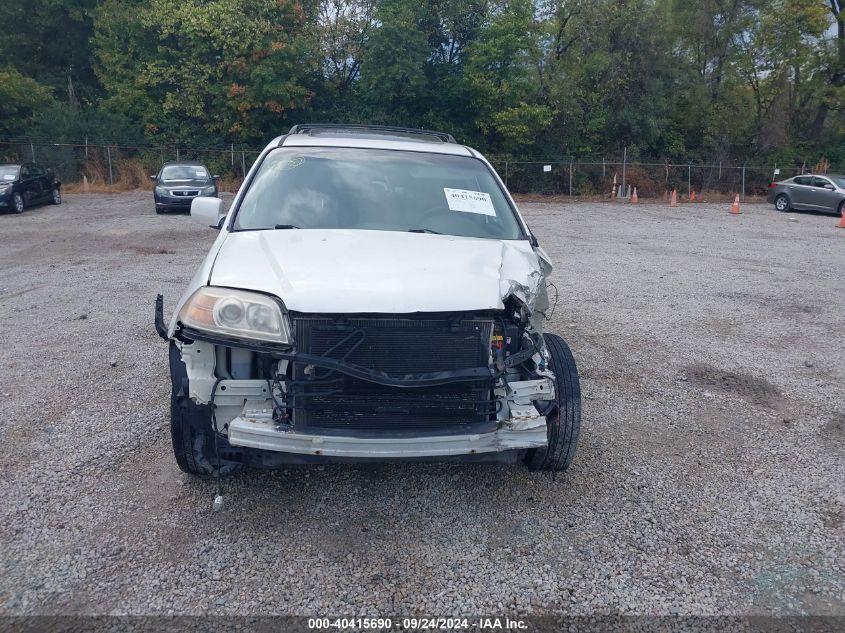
(224, 69)
(48, 40)
(393, 77)
(503, 69)
(20, 99)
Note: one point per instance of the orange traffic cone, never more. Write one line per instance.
(841, 224)
(634, 198)
(692, 196)
(673, 201)
(735, 206)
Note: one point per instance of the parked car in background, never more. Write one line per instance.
(27, 184)
(374, 294)
(177, 184)
(810, 192)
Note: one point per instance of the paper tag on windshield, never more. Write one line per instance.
(469, 201)
(200, 173)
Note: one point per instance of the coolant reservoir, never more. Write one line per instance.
(241, 364)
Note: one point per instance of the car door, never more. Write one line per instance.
(45, 182)
(825, 196)
(30, 187)
(39, 188)
(799, 190)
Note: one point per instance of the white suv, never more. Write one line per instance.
(374, 294)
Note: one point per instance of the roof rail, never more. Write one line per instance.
(305, 128)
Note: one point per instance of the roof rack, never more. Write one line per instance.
(306, 128)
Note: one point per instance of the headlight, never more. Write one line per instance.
(237, 313)
(208, 191)
(161, 191)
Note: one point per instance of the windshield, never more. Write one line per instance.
(8, 172)
(839, 181)
(183, 172)
(382, 190)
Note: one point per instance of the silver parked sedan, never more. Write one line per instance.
(809, 193)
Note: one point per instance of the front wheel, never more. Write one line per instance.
(782, 203)
(564, 420)
(190, 428)
(17, 203)
(56, 197)
(842, 209)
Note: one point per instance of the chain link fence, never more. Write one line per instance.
(652, 180)
(121, 164)
(131, 165)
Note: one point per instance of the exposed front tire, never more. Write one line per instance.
(190, 428)
(564, 421)
(17, 203)
(782, 203)
(56, 197)
(159, 211)
(842, 209)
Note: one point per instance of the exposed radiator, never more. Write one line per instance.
(330, 400)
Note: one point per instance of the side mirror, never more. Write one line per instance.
(216, 176)
(208, 211)
(152, 178)
(829, 187)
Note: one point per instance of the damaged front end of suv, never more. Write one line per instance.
(338, 327)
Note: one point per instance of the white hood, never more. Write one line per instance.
(354, 271)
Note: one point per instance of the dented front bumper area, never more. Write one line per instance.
(381, 386)
(255, 413)
(263, 434)
(247, 412)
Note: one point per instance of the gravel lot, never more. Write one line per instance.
(708, 480)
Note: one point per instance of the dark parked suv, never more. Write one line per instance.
(177, 184)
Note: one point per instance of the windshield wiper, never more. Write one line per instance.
(424, 231)
(285, 226)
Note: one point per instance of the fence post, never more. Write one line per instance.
(177, 152)
(689, 180)
(243, 163)
(108, 153)
(570, 180)
(233, 157)
(506, 174)
(32, 149)
(86, 147)
(743, 183)
(624, 166)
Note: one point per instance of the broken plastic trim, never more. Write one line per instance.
(429, 379)
(161, 329)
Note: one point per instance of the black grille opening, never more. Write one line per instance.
(332, 401)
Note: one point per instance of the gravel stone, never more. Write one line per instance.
(689, 494)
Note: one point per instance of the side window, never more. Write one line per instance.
(26, 172)
(803, 180)
(37, 170)
(820, 182)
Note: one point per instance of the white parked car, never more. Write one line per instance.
(373, 294)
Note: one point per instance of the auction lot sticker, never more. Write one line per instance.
(469, 201)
